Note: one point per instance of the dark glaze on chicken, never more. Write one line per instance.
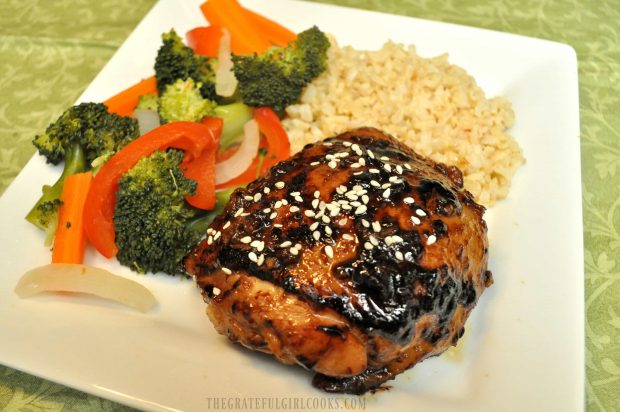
(356, 259)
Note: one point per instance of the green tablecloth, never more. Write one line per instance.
(51, 50)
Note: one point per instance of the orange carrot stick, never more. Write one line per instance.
(70, 239)
(277, 34)
(245, 37)
(126, 101)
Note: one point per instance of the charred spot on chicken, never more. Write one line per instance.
(356, 258)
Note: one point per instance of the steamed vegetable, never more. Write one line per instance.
(76, 278)
(70, 239)
(277, 77)
(124, 103)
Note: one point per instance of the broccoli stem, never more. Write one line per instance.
(75, 162)
(235, 116)
(199, 224)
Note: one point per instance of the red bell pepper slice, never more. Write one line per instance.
(193, 138)
(274, 143)
(202, 169)
(205, 40)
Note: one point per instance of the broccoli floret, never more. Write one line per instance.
(81, 134)
(148, 101)
(177, 61)
(155, 226)
(92, 127)
(182, 101)
(277, 77)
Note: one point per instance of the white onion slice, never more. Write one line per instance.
(147, 120)
(225, 80)
(243, 158)
(66, 277)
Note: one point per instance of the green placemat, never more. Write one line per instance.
(51, 50)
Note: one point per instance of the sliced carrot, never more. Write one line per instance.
(277, 34)
(70, 239)
(205, 40)
(245, 37)
(126, 101)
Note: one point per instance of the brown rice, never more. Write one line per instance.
(431, 105)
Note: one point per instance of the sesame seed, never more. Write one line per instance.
(365, 199)
(329, 251)
(351, 196)
(277, 225)
(420, 212)
(226, 225)
(393, 179)
(245, 214)
(261, 260)
(320, 214)
(408, 166)
(248, 197)
(317, 194)
(255, 243)
(431, 239)
(266, 210)
(277, 205)
(332, 164)
(346, 143)
(314, 163)
(355, 165)
(370, 154)
(384, 158)
(355, 147)
(210, 240)
(266, 190)
(285, 243)
(386, 193)
(397, 239)
(316, 235)
(375, 183)
(360, 210)
(373, 240)
(253, 257)
(399, 255)
(245, 239)
(330, 156)
(325, 219)
(209, 231)
(373, 170)
(294, 209)
(399, 169)
(368, 246)
(315, 203)
(408, 200)
(328, 231)
(298, 246)
(342, 154)
(298, 199)
(365, 223)
(347, 236)
(279, 185)
(238, 212)
(217, 235)
(314, 226)
(355, 203)
(415, 220)
(227, 271)
(334, 211)
(257, 197)
(376, 226)
(327, 144)
(346, 206)
(273, 215)
(362, 161)
(387, 168)
(284, 202)
(385, 185)
(293, 251)
(293, 194)
(216, 291)
(309, 213)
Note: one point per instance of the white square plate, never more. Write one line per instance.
(524, 349)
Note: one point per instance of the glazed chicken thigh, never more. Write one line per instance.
(356, 259)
